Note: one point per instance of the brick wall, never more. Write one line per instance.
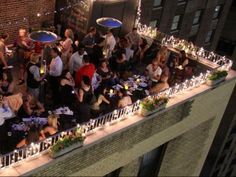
(15, 14)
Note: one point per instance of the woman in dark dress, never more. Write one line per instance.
(105, 72)
(67, 92)
(85, 98)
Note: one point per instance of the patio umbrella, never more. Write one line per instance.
(109, 22)
(43, 36)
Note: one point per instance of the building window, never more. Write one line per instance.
(175, 23)
(209, 36)
(197, 17)
(153, 23)
(157, 3)
(217, 12)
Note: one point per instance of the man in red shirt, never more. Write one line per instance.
(87, 69)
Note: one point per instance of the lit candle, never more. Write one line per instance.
(126, 87)
(111, 91)
(41, 70)
(138, 80)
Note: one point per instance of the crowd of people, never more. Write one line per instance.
(80, 75)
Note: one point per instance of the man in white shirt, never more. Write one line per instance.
(55, 71)
(154, 72)
(76, 60)
(110, 41)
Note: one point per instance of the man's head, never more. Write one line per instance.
(86, 59)
(81, 49)
(55, 52)
(155, 64)
(135, 30)
(92, 31)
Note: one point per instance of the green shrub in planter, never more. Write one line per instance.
(151, 105)
(67, 141)
(217, 75)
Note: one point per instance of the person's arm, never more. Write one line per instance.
(40, 107)
(21, 144)
(104, 99)
(71, 64)
(27, 108)
(81, 95)
(11, 87)
(185, 63)
(2, 56)
(35, 71)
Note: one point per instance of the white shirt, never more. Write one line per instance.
(111, 42)
(76, 62)
(56, 67)
(153, 73)
(129, 53)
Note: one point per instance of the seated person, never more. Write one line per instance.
(51, 127)
(125, 99)
(154, 72)
(104, 71)
(32, 137)
(30, 107)
(67, 91)
(121, 63)
(161, 86)
(183, 60)
(101, 98)
(6, 84)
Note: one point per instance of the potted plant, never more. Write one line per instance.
(216, 77)
(152, 105)
(68, 143)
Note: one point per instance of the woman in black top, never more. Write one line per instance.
(85, 98)
(67, 91)
(105, 72)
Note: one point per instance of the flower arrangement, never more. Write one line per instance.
(217, 75)
(70, 142)
(152, 105)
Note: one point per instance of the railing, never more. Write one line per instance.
(189, 47)
(36, 149)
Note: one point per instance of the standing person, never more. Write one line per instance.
(55, 71)
(134, 38)
(67, 92)
(33, 75)
(85, 97)
(110, 43)
(3, 62)
(23, 46)
(89, 40)
(87, 70)
(67, 47)
(76, 60)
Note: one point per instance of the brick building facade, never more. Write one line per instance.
(24, 13)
